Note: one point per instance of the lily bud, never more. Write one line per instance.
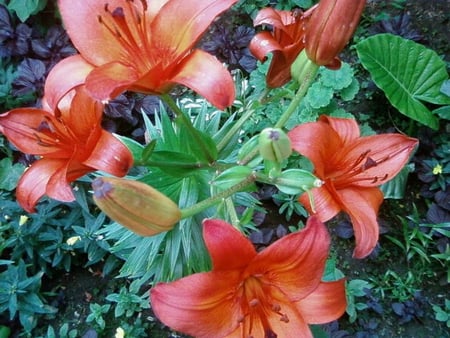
(135, 205)
(330, 27)
(274, 145)
(303, 67)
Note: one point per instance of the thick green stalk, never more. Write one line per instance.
(209, 202)
(234, 129)
(301, 92)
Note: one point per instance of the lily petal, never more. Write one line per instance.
(20, 126)
(179, 33)
(110, 155)
(201, 305)
(204, 74)
(58, 186)
(388, 154)
(262, 44)
(304, 140)
(326, 303)
(33, 183)
(83, 115)
(91, 38)
(108, 81)
(325, 205)
(362, 205)
(228, 248)
(295, 263)
(347, 129)
(63, 77)
(275, 18)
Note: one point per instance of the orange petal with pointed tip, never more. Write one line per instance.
(325, 205)
(67, 74)
(362, 205)
(180, 24)
(108, 81)
(389, 153)
(296, 261)
(326, 303)
(110, 155)
(204, 74)
(200, 305)
(228, 248)
(304, 139)
(33, 183)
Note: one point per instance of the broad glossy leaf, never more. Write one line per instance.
(407, 72)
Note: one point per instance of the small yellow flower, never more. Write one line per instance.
(120, 333)
(72, 240)
(23, 219)
(437, 170)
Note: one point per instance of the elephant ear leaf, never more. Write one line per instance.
(408, 73)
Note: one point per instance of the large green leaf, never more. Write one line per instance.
(407, 72)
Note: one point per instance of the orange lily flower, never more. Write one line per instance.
(286, 41)
(70, 143)
(330, 28)
(276, 292)
(351, 167)
(142, 46)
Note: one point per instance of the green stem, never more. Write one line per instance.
(234, 129)
(193, 132)
(304, 86)
(231, 210)
(196, 208)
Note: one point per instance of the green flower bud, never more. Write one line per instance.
(135, 205)
(274, 145)
(231, 177)
(297, 181)
(303, 67)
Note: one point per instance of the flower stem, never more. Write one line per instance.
(234, 129)
(301, 92)
(209, 202)
(193, 132)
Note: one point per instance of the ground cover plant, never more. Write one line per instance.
(224, 168)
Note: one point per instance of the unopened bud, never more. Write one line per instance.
(303, 67)
(330, 27)
(135, 205)
(274, 145)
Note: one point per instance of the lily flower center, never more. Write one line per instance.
(257, 305)
(54, 134)
(129, 28)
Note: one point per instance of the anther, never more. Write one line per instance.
(284, 318)
(369, 164)
(45, 126)
(254, 302)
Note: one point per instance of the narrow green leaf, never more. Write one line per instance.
(135, 148)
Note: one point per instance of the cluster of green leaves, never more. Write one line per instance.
(325, 96)
(252, 7)
(171, 255)
(25, 9)
(19, 295)
(8, 72)
(356, 288)
(442, 314)
(396, 286)
(56, 237)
